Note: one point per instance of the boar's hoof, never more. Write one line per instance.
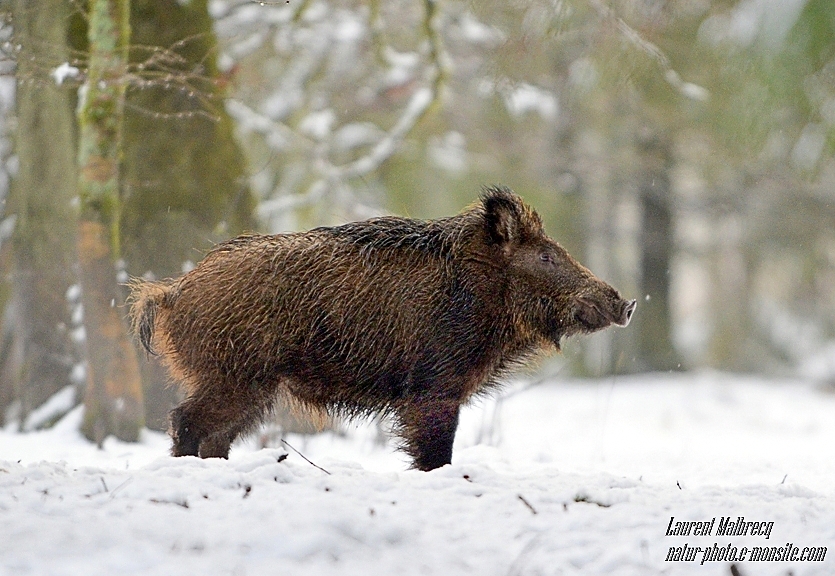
(215, 446)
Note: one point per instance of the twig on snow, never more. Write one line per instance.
(526, 503)
(283, 441)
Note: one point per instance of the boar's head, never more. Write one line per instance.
(550, 294)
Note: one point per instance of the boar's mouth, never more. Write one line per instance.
(592, 315)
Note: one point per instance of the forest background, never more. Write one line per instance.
(682, 150)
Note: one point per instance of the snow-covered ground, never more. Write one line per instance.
(560, 478)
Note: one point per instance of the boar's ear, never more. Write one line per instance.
(502, 216)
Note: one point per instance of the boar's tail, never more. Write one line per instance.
(145, 300)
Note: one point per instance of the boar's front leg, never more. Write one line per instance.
(427, 427)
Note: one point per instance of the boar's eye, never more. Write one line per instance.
(545, 257)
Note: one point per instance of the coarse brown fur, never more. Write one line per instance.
(403, 317)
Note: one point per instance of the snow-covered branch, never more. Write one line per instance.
(686, 89)
(340, 81)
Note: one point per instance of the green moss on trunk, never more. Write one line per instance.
(113, 400)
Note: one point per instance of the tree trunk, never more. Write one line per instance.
(184, 174)
(113, 402)
(41, 199)
(657, 242)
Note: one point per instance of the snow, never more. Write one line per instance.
(820, 365)
(58, 404)
(767, 21)
(356, 134)
(63, 72)
(7, 226)
(318, 124)
(449, 152)
(477, 32)
(527, 98)
(809, 146)
(687, 89)
(402, 66)
(563, 477)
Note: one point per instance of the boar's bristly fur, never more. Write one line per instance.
(394, 316)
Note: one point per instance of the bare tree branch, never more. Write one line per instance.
(331, 179)
(686, 89)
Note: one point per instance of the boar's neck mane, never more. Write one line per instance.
(429, 237)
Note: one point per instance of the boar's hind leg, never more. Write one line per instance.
(198, 431)
(241, 419)
(184, 431)
(207, 423)
(427, 427)
(217, 445)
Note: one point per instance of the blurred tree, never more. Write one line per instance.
(113, 399)
(41, 203)
(185, 178)
(657, 246)
(771, 175)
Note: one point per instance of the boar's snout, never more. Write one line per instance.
(626, 312)
(597, 312)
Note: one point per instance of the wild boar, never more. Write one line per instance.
(390, 316)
